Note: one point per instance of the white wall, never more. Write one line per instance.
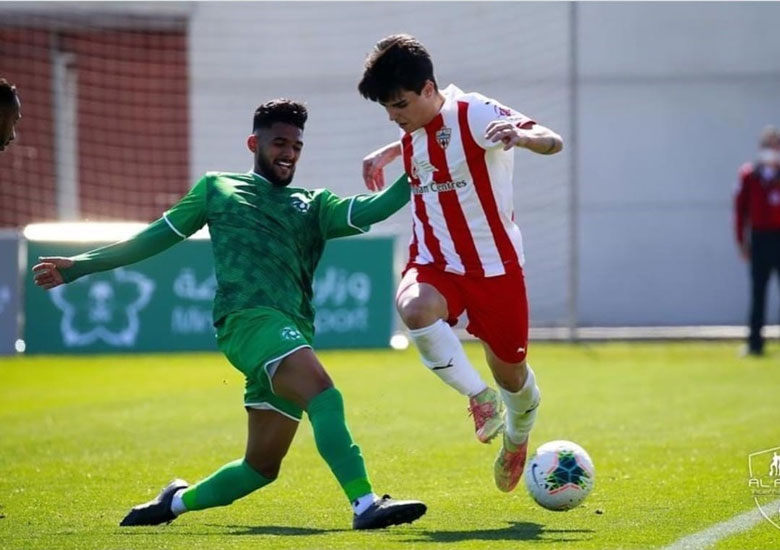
(244, 53)
(672, 97)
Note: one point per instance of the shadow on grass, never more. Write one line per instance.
(514, 531)
(279, 530)
(239, 530)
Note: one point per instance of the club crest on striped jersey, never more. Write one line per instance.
(443, 136)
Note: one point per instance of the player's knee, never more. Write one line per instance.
(418, 312)
(268, 467)
(315, 385)
(319, 382)
(510, 377)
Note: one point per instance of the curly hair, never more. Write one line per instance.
(280, 110)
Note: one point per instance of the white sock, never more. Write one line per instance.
(443, 354)
(521, 408)
(177, 505)
(361, 504)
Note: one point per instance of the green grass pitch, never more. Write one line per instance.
(669, 427)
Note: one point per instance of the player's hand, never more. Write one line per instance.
(47, 271)
(374, 163)
(507, 133)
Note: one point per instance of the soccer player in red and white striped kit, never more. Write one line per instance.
(466, 252)
(757, 227)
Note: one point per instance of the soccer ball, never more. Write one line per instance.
(559, 475)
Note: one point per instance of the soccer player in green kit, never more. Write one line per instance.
(267, 239)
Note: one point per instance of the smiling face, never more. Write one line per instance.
(277, 149)
(410, 110)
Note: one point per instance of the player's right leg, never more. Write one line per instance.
(253, 342)
(302, 380)
(269, 436)
(426, 300)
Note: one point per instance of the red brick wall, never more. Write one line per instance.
(27, 166)
(133, 124)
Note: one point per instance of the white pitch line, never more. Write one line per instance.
(708, 537)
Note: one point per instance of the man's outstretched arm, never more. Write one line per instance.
(53, 271)
(346, 216)
(182, 220)
(368, 209)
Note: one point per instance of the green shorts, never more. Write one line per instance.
(255, 341)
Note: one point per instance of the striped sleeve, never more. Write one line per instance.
(483, 111)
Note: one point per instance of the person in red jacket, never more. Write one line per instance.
(757, 226)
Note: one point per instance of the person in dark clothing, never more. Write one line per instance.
(757, 227)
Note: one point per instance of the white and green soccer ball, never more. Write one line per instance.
(559, 475)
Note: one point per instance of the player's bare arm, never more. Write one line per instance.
(374, 163)
(537, 138)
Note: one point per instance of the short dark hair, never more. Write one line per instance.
(8, 96)
(280, 110)
(398, 62)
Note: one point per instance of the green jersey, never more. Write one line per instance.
(266, 239)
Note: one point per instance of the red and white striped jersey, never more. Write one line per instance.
(462, 196)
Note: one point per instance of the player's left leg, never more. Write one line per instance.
(498, 316)
(520, 393)
(302, 380)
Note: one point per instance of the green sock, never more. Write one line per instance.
(234, 480)
(334, 442)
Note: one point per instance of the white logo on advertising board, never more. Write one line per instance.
(341, 299)
(107, 311)
(194, 316)
(186, 286)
